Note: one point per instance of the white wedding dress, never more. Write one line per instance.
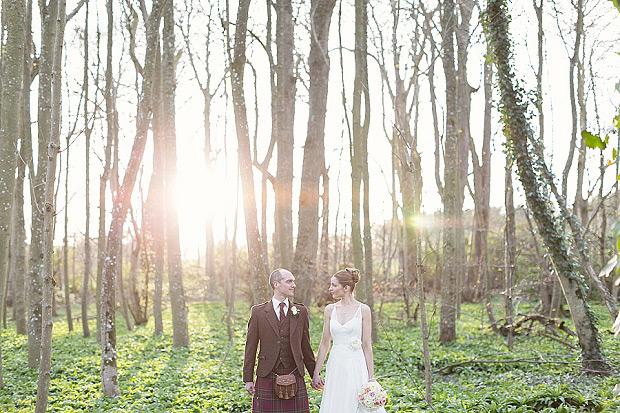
(346, 368)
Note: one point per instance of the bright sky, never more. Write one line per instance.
(200, 195)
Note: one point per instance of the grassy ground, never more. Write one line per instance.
(206, 377)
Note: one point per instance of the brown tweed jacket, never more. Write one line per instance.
(263, 328)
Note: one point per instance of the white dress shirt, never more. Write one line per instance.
(276, 306)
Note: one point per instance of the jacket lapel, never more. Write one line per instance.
(271, 317)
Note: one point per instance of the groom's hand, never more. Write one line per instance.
(249, 387)
(317, 383)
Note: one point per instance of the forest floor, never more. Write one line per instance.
(538, 375)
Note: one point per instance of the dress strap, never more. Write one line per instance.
(359, 311)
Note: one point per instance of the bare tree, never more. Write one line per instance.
(87, 133)
(109, 374)
(12, 78)
(65, 241)
(284, 105)
(153, 227)
(112, 132)
(452, 182)
(180, 335)
(257, 261)
(314, 150)
(58, 17)
(510, 250)
(18, 232)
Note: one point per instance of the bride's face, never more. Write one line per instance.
(336, 289)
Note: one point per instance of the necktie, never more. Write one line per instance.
(282, 315)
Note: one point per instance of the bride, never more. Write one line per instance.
(350, 363)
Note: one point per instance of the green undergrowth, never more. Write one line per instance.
(538, 375)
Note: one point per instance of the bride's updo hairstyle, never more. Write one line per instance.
(348, 276)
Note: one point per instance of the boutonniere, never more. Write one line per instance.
(294, 311)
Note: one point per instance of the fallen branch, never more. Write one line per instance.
(525, 325)
(531, 360)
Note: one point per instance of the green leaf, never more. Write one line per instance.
(614, 154)
(616, 327)
(593, 141)
(616, 3)
(609, 267)
(615, 229)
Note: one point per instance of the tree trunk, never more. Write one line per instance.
(361, 122)
(134, 297)
(464, 91)
(87, 131)
(574, 62)
(452, 182)
(519, 134)
(324, 273)
(258, 267)
(112, 133)
(120, 287)
(284, 122)
(49, 211)
(65, 243)
(109, 374)
(12, 78)
(24, 161)
(478, 278)
(153, 233)
(580, 207)
(44, 123)
(175, 270)
(510, 240)
(314, 151)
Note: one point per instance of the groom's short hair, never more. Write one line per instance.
(276, 276)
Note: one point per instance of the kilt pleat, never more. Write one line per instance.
(266, 401)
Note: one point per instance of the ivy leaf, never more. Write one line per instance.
(593, 141)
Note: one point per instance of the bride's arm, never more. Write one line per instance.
(324, 346)
(367, 340)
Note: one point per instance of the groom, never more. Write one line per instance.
(281, 328)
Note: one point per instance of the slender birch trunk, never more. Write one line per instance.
(87, 133)
(109, 372)
(154, 235)
(12, 78)
(257, 262)
(180, 335)
(49, 211)
(24, 163)
(510, 239)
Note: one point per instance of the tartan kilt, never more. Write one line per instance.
(266, 401)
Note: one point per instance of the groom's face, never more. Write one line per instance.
(286, 286)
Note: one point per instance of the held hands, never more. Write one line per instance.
(317, 382)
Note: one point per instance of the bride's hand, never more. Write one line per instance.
(317, 382)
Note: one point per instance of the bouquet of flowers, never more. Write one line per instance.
(371, 395)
